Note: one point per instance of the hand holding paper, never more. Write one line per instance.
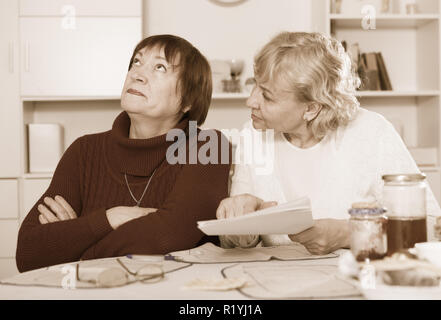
(288, 218)
(240, 205)
(327, 235)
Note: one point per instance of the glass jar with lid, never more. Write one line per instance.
(404, 196)
(368, 227)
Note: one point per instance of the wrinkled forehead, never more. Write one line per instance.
(171, 55)
(277, 83)
(279, 71)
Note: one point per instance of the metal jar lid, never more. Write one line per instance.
(366, 211)
(414, 177)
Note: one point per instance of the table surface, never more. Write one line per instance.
(170, 288)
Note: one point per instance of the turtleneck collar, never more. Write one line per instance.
(136, 157)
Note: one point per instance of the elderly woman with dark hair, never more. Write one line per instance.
(115, 193)
(326, 147)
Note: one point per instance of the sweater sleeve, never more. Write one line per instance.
(41, 245)
(195, 196)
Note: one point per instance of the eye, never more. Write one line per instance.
(160, 67)
(266, 97)
(136, 62)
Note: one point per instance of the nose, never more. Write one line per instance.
(137, 77)
(253, 99)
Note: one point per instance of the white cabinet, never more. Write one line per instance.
(9, 234)
(8, 199)
(10, 122)
(90, 59)
(33, 189)
(10, 137)
(80, 8)
(8, 267)
(433, 178)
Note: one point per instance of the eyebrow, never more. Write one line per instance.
(156, 57)
(266, 89)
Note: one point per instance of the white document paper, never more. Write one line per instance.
(210, 253)
(292, 280)
(288, 218)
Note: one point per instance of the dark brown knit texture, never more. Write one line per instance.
(90, 176)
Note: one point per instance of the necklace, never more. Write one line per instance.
(138, 202)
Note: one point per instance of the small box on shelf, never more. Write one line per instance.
(45, 142)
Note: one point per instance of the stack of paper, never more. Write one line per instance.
(288, 218)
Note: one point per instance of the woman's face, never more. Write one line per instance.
(150, 88)
(275, 108)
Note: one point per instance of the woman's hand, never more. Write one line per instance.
(241, 204)
(117, 216)
(54, 210)
(325, 236)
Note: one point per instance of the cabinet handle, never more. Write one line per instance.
(27, 53)
(11, 57)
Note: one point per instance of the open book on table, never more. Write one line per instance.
(288, 218)
(209, 253)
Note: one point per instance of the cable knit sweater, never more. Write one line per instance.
(90, 176)
(345, 167)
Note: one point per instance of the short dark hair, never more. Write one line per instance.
(194, 77)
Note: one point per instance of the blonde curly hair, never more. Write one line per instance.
(316, 69)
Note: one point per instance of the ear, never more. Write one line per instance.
(186, 109)
(311, 112)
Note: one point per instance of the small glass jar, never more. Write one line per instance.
(368, 233)
(404, 196)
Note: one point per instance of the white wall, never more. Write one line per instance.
(226, 32)
(222, 32)
(219, 32)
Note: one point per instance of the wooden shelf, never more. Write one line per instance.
(37, 175)
(392, 94)
(230, 96)
(215, 96)
(429, 168)
(384, 21)
(69, 98)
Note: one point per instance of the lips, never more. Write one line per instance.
(256, 118)
(135, 92)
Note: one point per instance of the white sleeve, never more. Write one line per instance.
(395, 158)
(241, 183)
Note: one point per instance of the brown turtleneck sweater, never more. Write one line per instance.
(90, 176)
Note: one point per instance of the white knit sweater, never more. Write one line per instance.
(345, 167)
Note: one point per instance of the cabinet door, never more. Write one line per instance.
(434, 180)
(9, 234)
(8, 267)
(9, 93)
(33, 189)
(8, 199)
(81, 7)
(90, 59)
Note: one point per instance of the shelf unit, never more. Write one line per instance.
(42, 54)
(215, 96)
(395, 93)
(393, 21)
(410, 45)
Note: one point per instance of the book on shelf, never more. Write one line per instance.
(384, 76)
(369, 72)
(370, 67)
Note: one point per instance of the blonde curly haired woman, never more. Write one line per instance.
(326, 147)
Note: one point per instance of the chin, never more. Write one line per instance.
(258, 125)
(132, 105)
